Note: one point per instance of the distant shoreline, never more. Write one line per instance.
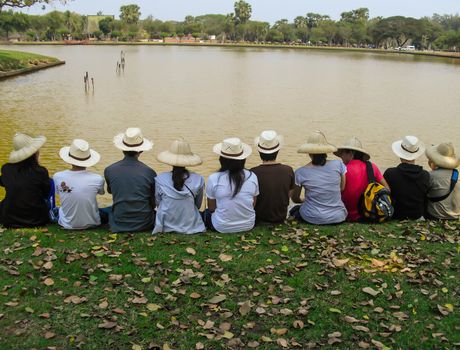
(454, 55)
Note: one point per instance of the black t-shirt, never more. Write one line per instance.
(26, 192)
(409, 185)
(275, 182)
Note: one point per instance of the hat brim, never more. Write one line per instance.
(403, 154)
(440, 160)
(147, 145)
(93, 160)
(247, 150)
(265, 151)
(179, 160)
(341, 149)
(313, 148)
(27, 152)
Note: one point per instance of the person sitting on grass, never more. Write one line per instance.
(132, 185)
(276, 180)
(444, 193)
(409, 183)
(232, 191)
(322, 180)
(27, 185)
(355, 157)
(78, 188)
(179, 193)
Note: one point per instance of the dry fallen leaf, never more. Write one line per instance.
(245, 308)
(48, 265)
(107, 325)
(195, 295)
(49, 335)
(191, 251)
(340, 262)
(103, 305)
(138, 300)
(225, 257)
(350, 319)
(48, 282)
(278, 331)
(370, 291)
(217, 299)
(153, 307)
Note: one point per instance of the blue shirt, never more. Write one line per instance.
(132, 184)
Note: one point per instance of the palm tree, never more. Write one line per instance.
(243, 12)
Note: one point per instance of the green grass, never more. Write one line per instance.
(15, 60)
(287, 273)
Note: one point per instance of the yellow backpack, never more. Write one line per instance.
(375, 203)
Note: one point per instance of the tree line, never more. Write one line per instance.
(355, 28)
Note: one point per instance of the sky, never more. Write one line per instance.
(263, 10)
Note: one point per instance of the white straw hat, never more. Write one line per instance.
(232, 148)
(180, 155)
(24, 146)
(79, 154)
(132, 140)
(317, 144)
(353, 144)
(269, 142)
(409, 148)
(443, 155)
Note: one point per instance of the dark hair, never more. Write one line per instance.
(318, 159)
(28, 164)
(131, 153)
(358, 155)
(179, 175)
(267, 157)
(235, 168)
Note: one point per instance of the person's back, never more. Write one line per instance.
(443, 199)
(132, 185)
(178, 210)
(275, 180)
(26, 183)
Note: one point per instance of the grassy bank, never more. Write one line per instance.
(15, 60)
(390, 286)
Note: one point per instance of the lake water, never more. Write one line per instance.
(205, 94)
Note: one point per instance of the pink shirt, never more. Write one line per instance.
(356, 184)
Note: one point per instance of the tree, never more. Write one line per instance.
(10, 21)
(313, 19)
(243, 12)
(106, 25)
(130, 14)
(24, 3)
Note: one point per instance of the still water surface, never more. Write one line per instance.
(206, 94)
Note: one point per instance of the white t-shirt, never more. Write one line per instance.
(77, 192)
(233, 214)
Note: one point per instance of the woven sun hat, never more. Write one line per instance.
(317, 144)
(269, 142)
(180, 155)
(232, 148)
(132, 140)
(24, 146)
(443, 155)
(409, 148)
(353, 144)
(80, 154)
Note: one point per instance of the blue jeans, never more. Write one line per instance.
(103, 213)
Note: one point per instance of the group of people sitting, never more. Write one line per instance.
(236, 198)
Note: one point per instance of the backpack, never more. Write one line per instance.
(375, 203)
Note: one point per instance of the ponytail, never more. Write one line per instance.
(235, 168)
(318, 159)
(179, 175)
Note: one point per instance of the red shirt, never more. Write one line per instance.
(355, 185)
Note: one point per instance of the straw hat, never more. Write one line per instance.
(179, 154)
(79, 154)
(269, 142)
(317, 144)
(232, 148)
(353, 144)
(409, 148)
(443, 155)
(24, 146)
(132, 140)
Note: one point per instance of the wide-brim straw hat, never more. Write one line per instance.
(353, 144)
(443, 155)
(409, 148)
(25, 146)
(179, 155)
(269, 142)
(317, 144)
(80, 154)
(132, 141)
(232, 148)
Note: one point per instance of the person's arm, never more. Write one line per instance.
(379, 177)
(109, 190)
(254, 202)
(212, 205)
(343, 182)
(295, 194)
(101, 190)
(383, 182)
